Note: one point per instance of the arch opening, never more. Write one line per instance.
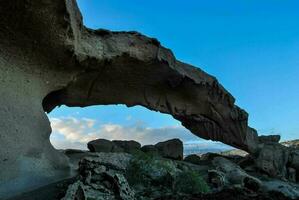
(74, 127)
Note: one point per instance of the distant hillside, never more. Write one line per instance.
(203, 148)
(224, 149)
(234, 152)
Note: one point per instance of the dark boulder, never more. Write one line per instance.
(210, 156)
(102, 145)
(272, 159)
(171, 149)
(193, 158)
(269, 138)
(150, 149)
(128, 146)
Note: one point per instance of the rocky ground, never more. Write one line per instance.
(125, 170)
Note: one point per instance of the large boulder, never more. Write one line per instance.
(272, 159)
(102, 178)
(193, 158)
(269, 138)
(128, 146)
(277, 161)
(171, 149)
(235, 175)
(150, 149)
(103, 145)
(209, 156)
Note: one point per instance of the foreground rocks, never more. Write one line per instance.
(272, 168)
(277, 161)
(139, 176)
(149, 176)
(102, 177)
(156, 172)
(146, 176)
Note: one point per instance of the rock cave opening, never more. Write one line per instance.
(74, 127)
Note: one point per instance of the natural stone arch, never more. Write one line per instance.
(48, 58)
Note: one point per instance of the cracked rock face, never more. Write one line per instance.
(48, 58)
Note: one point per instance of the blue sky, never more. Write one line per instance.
(251, 46)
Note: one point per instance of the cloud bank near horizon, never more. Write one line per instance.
(75, 133)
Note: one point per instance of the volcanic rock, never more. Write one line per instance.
(150, 149)
(272, 159)
(193, 158)
(116, 161)
(269, 138)
(171, 149)
(103, 145)
(128, 146)
(235, 175)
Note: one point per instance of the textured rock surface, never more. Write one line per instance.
(102, 145)
(137, 176)
(288, 189)
(234, 174)
(116, 161)
(128, 146)
(101, 178)
(171, 149)
(269, 138)
(193, 158)
(48, 58)
(146, 176)
(278, 161)
(150, 149)
(273, 159)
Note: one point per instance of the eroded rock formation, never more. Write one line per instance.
(48, 58)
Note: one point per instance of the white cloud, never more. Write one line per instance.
(70, 132)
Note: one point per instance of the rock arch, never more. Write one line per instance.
(48, 58)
